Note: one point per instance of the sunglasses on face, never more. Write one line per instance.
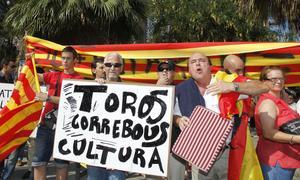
(163, 69)
(112, 64)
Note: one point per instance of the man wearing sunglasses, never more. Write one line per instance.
(113, 66)
(166, 73)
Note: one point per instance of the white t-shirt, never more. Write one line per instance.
(211, 102)
(293, 106)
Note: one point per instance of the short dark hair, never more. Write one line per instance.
(71, 50)
(97, 60)
(5, 62)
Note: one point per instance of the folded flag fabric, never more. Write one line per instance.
(204, 139)
(141, 60)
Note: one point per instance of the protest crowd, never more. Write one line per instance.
(266, 102)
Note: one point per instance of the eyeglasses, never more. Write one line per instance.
(275, 79)
(116, 65)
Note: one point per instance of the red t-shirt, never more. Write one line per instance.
(50, 79)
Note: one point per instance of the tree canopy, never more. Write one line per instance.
(284, 12)
(7, 47)
(128, 21)
(205, 20)
(79, 21)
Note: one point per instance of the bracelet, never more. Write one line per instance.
(291, 140)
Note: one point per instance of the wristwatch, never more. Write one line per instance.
(48, 98)
(236, 87)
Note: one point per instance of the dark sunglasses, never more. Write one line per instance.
(161, 69)
(113, 64)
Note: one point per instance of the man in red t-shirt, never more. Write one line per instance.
(45, 134)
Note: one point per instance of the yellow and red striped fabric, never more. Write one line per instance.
(141, 60)
(243, 162)
(21, 114)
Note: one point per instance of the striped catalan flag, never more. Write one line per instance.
(141, 60)
(21, 114)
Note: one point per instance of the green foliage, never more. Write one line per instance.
(281, 11)
(79, 21)
(7, 48)
(124, 21)
(204, 20)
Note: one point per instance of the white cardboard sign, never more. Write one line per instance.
(119, 126)
(6, 90)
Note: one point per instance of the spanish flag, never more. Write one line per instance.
(21, 114)
(243, 163)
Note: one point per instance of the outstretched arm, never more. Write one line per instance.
(254, 87)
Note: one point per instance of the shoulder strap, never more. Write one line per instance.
(57, 82)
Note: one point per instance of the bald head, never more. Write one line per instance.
(234, 64)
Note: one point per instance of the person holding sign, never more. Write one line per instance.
(97, 68)
(113, 66)
(166, 73)
(45, 133)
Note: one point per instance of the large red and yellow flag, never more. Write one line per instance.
(141, 60)
(21, 114)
